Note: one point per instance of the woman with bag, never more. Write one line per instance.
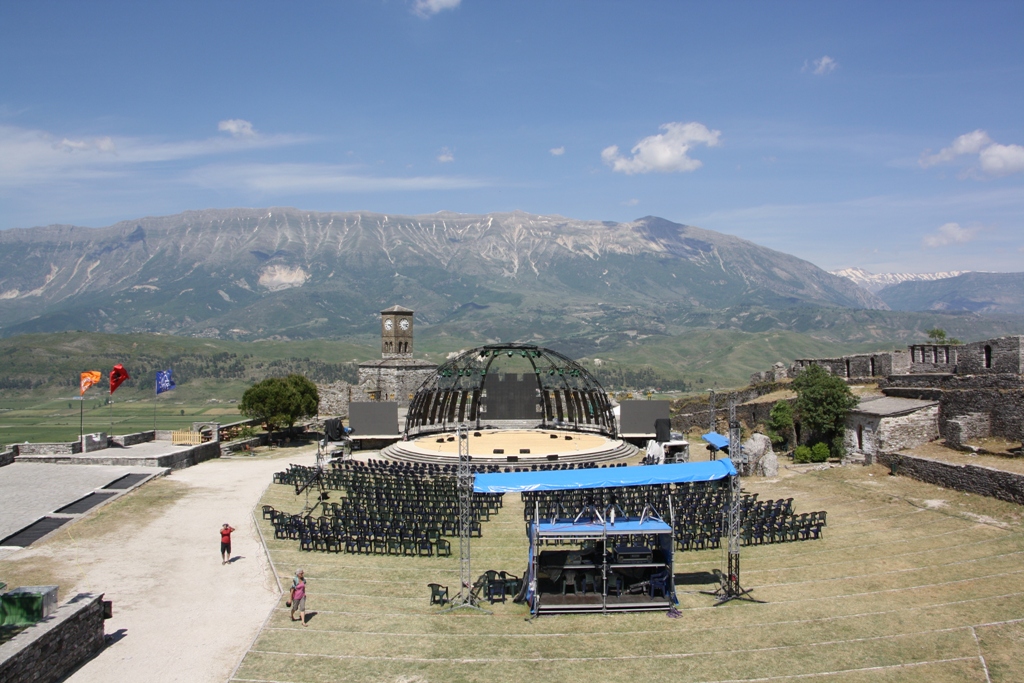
(298, 596)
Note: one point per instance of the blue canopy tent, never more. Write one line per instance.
(717, 440)
(607, 563)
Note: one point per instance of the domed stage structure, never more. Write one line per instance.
(522, 404)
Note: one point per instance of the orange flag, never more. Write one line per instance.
(88, 378)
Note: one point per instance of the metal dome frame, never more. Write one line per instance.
(571, 398)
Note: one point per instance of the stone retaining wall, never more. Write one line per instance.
(56, 646)
(228, 447)
(984, 481)
(69, 448)
(133, 439)
(7, 457)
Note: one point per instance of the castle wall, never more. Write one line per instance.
(1002, 355)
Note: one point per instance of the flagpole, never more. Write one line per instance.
(81, 419)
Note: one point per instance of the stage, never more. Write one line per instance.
(509, 447)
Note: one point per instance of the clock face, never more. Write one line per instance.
(388, 323)
(404, 323)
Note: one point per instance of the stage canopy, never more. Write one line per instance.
(621, 526)
(717, 440)
(603, 477)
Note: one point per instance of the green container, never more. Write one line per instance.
(27, 605)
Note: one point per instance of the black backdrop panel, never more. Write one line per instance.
(511, 397)
(637, 417)
(374, 418)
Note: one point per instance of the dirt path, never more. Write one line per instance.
(184, 616)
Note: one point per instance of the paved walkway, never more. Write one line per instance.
(29, 491)
(184, 616)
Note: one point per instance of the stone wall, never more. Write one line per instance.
(688, 413)
(984, 481)
(907, 431)
(228, 447)
(334, 398)
(56, 646)
(967, 428)
(932, 358)
(133, 439)
(7, 457)
(95, 442)
(68, 448)
(1002, 355)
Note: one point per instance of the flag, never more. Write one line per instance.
(87, 379)
(164, 381)
(117, 376)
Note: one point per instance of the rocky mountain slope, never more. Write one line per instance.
(988, 293)
(256, 273)
(876, 282)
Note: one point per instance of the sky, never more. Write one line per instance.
(879, 135)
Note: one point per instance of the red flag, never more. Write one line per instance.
(87, 379)
(117, 375)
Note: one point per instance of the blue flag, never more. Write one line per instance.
(164, 381)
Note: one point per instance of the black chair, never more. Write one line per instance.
(438, 594)
(659, 582)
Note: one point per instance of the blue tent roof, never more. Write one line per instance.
(630, 526)
(716, 440)
(603, 477)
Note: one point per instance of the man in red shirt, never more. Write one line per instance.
(225, 543)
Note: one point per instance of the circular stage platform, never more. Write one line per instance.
(512, 446)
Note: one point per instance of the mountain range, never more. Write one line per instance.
(876, 282)
(259, 273)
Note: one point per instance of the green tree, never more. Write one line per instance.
(822, 403)
(938, 336)
(278, 402)
(780, 423)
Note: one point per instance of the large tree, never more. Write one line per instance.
(822, 403)
(278, 402)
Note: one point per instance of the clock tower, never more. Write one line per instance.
(396, 332)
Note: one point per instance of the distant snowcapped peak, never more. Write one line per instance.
(875, 282)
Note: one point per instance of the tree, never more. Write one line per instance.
(822, 403)
(938, 336)
(278, 402)
(780, 423)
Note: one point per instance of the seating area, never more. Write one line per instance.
(699, 511)
(493, 586)
(386, 509)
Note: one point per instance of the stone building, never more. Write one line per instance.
(396, 375)
(1001, 355)
(886, 424)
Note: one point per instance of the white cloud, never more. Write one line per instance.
(557, 151)
(822, 66)
(999, 159)
(30, 157)
(239, 128)
(104, 144)
(994, 159)
(665, 152)
(949, 233)
(428, 8)
(315, 178)
(631, 202)
(968, 143)
(446, 156)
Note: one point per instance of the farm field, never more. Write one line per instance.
(54, 420)
(909, 583)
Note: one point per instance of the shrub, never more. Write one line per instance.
(819, 452)
(802, 454)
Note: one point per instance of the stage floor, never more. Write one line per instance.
(538, 442)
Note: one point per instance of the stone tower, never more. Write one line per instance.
(396, 332)
(397, 375)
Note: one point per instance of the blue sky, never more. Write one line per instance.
(888, 136)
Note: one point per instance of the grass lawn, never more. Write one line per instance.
(910, 583)
(47, 420)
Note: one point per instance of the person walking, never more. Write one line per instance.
(298, 596)
(225, 543)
